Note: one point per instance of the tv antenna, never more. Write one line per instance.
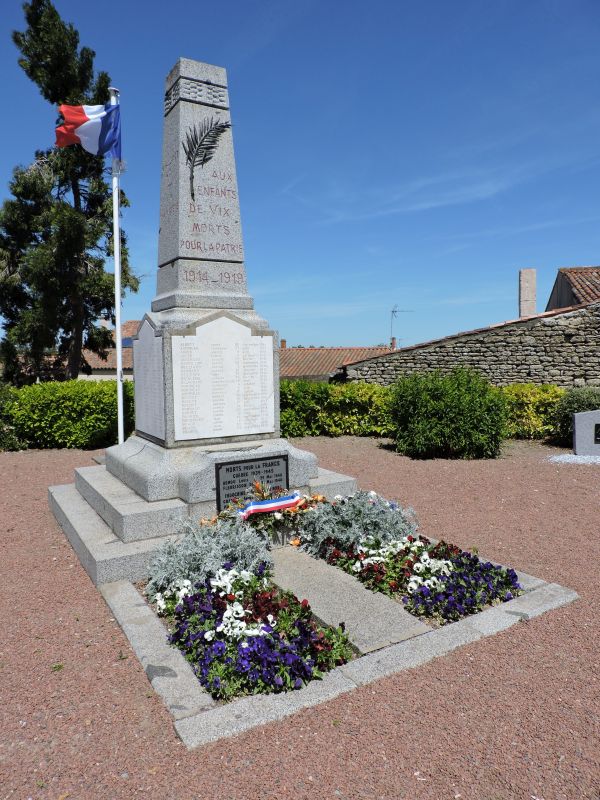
(394, 313)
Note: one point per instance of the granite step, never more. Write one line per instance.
(103, 555)
(372, 620)
(130, 516)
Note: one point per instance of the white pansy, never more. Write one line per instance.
(419, 567)
(160, 603)
(233, 624)
(184, 589)
(225, 578)
(209, 635)
(278, 515)
(251, 630)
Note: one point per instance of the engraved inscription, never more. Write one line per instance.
(212, 249)
(222, 381)
(234, 479)
(200, 276)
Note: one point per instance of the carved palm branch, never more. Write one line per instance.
(200, 144)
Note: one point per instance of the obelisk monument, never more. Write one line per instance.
(206, 365)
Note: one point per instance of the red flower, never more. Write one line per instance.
(305, 604)
(231, 597)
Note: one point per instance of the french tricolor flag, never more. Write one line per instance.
(96, 128)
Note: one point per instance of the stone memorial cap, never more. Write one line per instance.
(200, 247)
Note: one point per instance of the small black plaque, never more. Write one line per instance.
(234, 478)
(597, 434)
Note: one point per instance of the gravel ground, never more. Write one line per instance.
(513, 716)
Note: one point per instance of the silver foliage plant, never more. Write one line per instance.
(350, 519)
(204, 549)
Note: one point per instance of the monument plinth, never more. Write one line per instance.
(206, 365)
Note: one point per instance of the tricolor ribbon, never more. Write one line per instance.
(265, 506)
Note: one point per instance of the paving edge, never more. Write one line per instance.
(198, 720)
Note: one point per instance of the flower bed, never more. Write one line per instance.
(242, 635)
(437, 581)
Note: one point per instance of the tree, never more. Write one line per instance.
(56, 233)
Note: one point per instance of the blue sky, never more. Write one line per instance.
(390, 152)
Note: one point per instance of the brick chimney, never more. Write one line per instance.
(393, 343)
(283, 344)
(527, 300)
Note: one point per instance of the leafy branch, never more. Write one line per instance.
(200, 144)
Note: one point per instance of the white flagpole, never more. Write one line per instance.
(116, 169)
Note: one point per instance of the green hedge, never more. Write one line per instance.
(71, 414)
(8, 436)
(455, 415)
(531, 410)
(330, 409)
(84, 413)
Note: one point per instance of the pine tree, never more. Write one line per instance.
(56, 233)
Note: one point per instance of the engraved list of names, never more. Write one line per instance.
(222, 382)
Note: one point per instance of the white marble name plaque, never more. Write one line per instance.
(234, 479)
(222, 381)
(149, 382)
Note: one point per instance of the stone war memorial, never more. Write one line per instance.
(206, 364)
(357, 594)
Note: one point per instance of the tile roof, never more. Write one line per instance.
(128, 329)
(584, 281)
(298, 362)
(295, 362)
(110, 364)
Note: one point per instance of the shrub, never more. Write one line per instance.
(349, 519)
(303, 407)
(322, 409)
(357, 409)
(459, 415)
(572, 402)
(8, 437)
(70, 414)
(531, 409)
(203, 550)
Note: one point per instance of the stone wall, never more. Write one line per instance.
(557, 347)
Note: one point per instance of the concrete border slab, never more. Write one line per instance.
(167, 670)
(371, 619)
(198, 720)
